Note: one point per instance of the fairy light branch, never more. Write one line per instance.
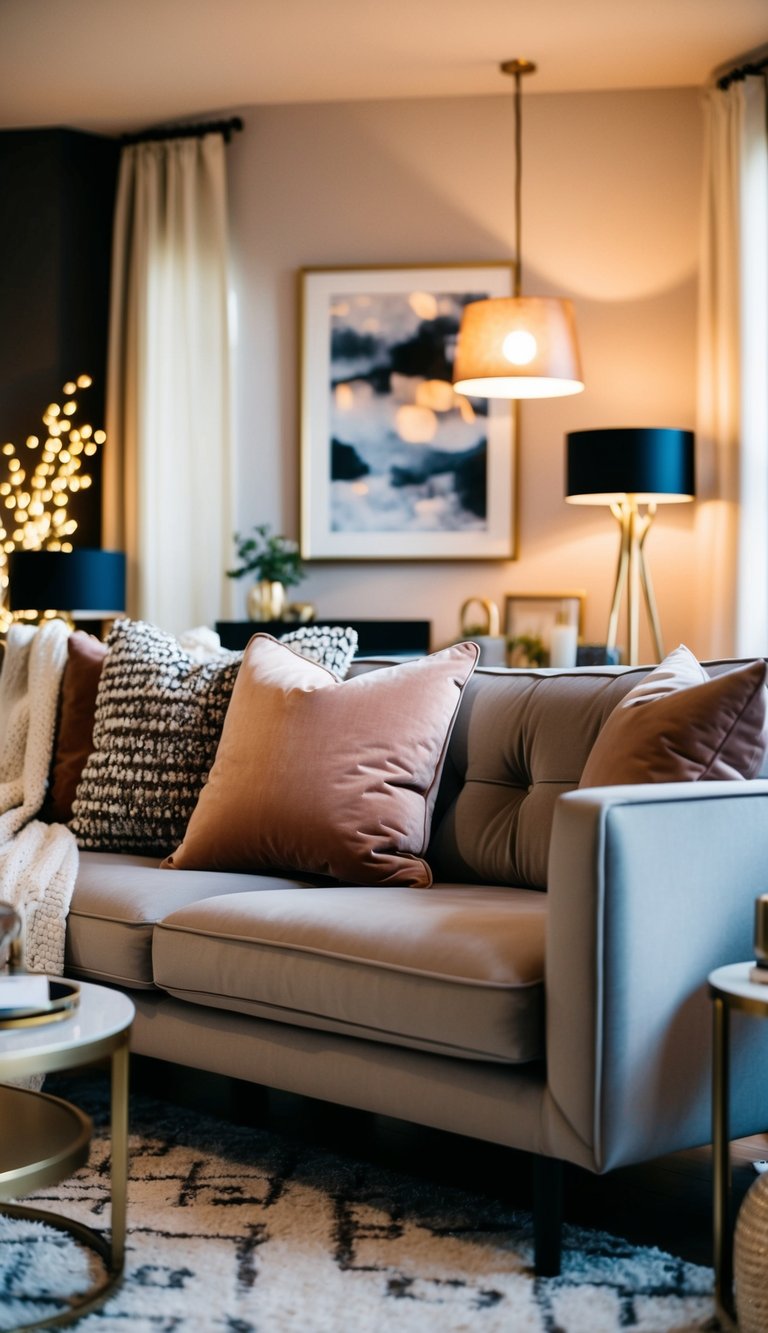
(41, 476)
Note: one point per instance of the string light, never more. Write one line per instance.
(38, 495)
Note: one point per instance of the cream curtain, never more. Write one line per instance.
(168, 468)
(732, 427)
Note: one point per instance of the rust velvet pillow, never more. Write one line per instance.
(324, 776)
(74, 729)
(682, 725)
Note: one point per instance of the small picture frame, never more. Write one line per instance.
(543, 629)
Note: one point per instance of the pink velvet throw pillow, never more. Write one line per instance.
(324, 776)
(682, 725)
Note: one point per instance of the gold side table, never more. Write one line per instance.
(729, 989)
(48, 1138)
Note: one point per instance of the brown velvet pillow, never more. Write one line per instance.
(324, 776)
(681, 725)
(74, 729)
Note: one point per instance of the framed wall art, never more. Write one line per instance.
(394, 464)
(543, 629)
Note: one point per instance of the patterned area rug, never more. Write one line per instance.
(238, 1230)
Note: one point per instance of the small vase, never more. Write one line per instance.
(265, 600)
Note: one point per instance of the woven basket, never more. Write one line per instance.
(750, 1259)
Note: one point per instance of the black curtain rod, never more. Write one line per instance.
(742, 72)
(225, 127)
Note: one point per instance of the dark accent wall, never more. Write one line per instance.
(57, 191)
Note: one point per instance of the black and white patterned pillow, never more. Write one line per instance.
(159, 715)
(329, 645)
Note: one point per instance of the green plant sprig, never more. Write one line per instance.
(270, 557)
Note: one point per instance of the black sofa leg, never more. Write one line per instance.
(547, 1215)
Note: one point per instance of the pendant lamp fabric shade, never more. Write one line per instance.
(518, 347)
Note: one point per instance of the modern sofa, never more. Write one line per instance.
(548, 992)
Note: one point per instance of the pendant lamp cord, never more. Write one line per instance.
(518, 181)
(517, 68)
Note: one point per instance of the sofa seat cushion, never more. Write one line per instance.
(455, 969)
(115, 904)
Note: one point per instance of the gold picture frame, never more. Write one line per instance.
(530, 621)
(394, 464)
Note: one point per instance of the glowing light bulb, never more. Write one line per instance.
(519, 347)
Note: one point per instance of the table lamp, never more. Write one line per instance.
(81, 584)
(624, 469)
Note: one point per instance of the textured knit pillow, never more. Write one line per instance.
(328, 777)
(74, 728)
(159, 716)
(682, 725)
(329, 645)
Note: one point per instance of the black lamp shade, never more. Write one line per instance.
(604, 466)
(88, 584)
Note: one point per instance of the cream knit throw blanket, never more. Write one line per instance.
(38, 862)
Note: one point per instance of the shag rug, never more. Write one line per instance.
(239, 1230)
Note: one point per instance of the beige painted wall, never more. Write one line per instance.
(611, 218)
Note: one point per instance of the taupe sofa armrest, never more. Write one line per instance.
(651, 887)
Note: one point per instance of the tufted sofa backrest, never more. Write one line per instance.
(521, 739)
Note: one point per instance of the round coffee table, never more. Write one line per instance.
(49, 1138)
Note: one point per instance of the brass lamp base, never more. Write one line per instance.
(633, 573)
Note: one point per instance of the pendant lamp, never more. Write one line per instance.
(518, 346)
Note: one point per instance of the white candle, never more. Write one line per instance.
(562, 645)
